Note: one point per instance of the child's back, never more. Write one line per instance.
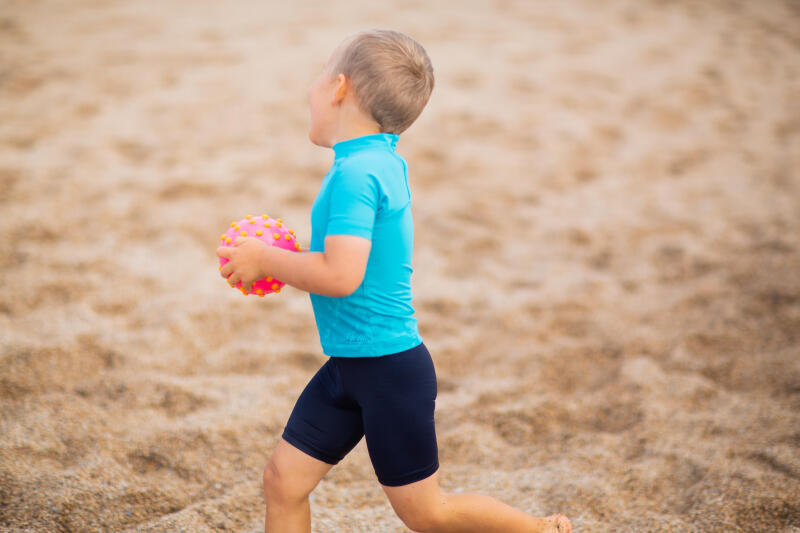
(366, 194)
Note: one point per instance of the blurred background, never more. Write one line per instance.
(607, 208)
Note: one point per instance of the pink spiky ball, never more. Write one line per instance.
(268, 230)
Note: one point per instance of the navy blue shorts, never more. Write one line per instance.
(389, 399)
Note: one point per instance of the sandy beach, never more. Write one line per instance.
(607, 259)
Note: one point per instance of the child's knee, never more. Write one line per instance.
(278, 486)
(270, 479)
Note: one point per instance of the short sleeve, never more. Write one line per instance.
(353, 204)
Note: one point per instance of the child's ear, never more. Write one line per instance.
(341, 86)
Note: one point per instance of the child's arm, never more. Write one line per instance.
(336, 272)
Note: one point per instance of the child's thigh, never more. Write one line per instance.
(398, 415)
(324, 423)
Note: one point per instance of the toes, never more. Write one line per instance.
(561, 523)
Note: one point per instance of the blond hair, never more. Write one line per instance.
(391, 75)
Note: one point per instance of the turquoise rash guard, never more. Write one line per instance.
(366, 194)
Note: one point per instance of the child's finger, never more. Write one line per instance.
(224, 251)
(241, 240)
(226, 270)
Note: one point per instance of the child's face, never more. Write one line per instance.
(322, 106)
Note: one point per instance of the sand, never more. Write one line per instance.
(607, 259)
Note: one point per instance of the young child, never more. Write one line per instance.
(379, 381)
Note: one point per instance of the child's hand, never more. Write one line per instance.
(244, 261)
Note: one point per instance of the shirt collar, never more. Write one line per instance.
(386, 141)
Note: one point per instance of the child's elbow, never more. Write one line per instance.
(343, 287)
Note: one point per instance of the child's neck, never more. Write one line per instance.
(353, 123)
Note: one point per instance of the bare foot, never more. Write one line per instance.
(561, 523)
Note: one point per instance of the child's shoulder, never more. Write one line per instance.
(370, 173)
